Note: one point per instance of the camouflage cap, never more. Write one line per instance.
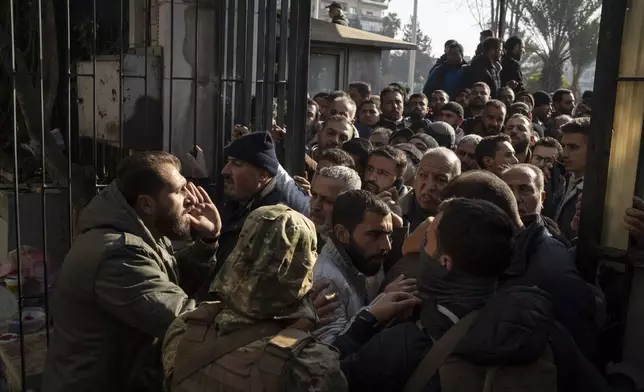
(270, 271)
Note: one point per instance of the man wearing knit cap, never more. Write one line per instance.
(453, 114)
(248, 184)
(443, 133)
(542, 107)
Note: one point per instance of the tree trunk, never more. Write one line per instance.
(551, 75)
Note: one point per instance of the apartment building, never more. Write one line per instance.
(368, 12)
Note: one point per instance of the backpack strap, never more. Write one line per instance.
(280, 351)
(201, 346)
(442, 349)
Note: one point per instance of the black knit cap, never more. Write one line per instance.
(541, 98)
(256, 148)
(454, 107)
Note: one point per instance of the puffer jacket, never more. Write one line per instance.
(515, 324)
(354, 289)
(117, 292)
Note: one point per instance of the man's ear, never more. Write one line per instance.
(342, 234)
(446, 262)
(543, 196)
(146, 204)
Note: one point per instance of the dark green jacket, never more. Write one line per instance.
(117, 292)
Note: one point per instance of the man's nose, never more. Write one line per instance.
(386, 245)
(226, 169)
(515, 160)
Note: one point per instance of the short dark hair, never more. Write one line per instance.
(491, 43)
(488, 146)
(392, 89)
(449, 42)
(336, 117)
(577, 125)
(142, 174)
(359, 147)
(336, 94)
(337, 157)
(395, 155)
(487, 33)
(363, 88)
(481, 184)
(400, 86)
(369, 101)
(457, 46)
(477, 235)
(511, 42)
(419, 95)
(549, 142)
(484, 85)
(525, 94)
(559, 94)
(441, 92)
(350, 208)
(322, 95)
(495, 103)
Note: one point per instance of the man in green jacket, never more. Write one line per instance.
(121, 284)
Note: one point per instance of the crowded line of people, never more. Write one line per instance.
(428, 247)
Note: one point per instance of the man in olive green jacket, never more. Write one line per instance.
(121, 284)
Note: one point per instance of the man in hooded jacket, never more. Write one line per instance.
(267, 279)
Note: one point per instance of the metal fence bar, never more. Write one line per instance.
(196, 78)
(248, 60)
(282, 62)
(171, 82)
(259, 72)
(68, 60)
(43, 173)
(269, 72)
(12, 27)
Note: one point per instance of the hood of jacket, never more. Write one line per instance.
(109, 210)
(514, 327)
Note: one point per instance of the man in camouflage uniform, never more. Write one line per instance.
(266, 279)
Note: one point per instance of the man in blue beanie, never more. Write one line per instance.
(249, 183)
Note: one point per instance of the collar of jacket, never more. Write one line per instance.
(341, 259)
(523, 246)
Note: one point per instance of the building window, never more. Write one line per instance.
(323, 74)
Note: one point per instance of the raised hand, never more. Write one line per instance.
(204, 217)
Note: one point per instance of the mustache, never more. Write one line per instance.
(364, 184)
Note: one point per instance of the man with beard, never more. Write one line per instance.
(392, 104)
(495, 153)
(479, 96)
(352, 259)
(312, 120)
(519, 128)
(328, 185)
(249, 176)
(385, 170)
(490, 122)
(511, 74)
(368, 117)
(121, 284)
(564, 102)
(506, 95)
(546, 155)
(436, 169)
(463, 97)
(527, 183)
(466, 152)
(542, 108)
(418, 107)
(439, 99)
(453, 114)
(335, 131)
(485, 68)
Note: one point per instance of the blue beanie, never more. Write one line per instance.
(256, 148)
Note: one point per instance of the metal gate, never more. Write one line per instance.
(83, 83)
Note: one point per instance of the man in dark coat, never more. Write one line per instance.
(336, 13)
(511, 74)
(513, 324)
(485, 68)
(249, 183)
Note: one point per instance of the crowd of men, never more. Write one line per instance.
(429, 247)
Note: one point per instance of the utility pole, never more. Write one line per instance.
(412, 54)
(316, 9)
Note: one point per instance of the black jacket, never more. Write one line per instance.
(511, 70)
(543, 261)
(481, 69)
(515, 323)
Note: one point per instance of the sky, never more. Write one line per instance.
(442, 20)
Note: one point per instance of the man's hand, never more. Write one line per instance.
(390, 197)
(194, 164)
(303, 183)
(277, 133)
(393, 304)
(325, 304)
(239, 131)
(402, 285)
(634, 220)
(204, 217)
